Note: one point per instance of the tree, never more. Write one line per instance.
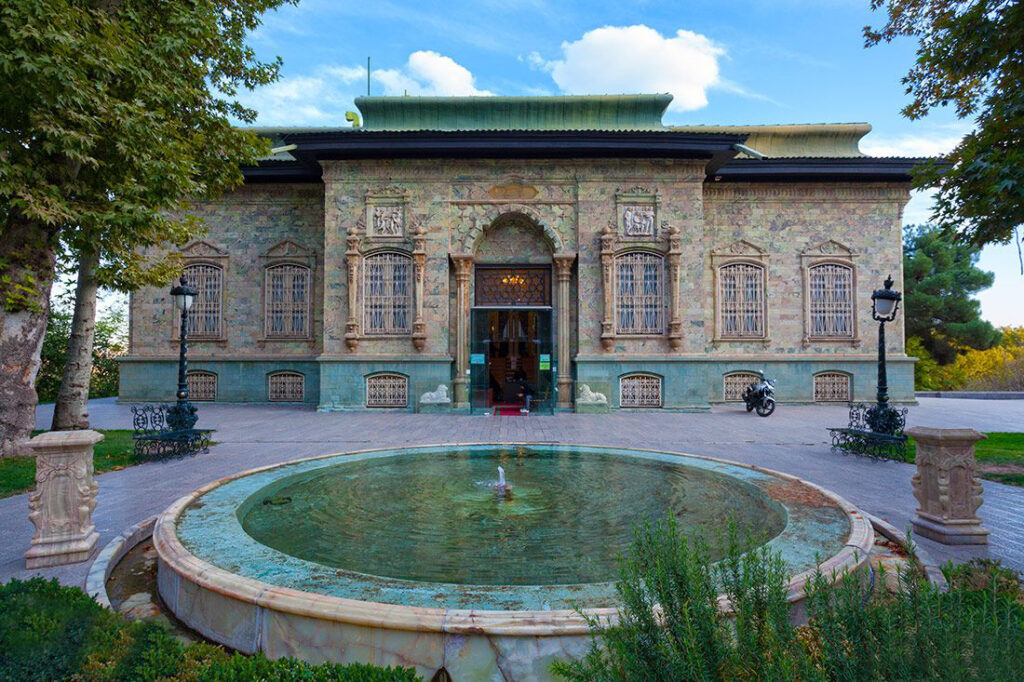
(113, 115)
(969, 55)
(939, 276)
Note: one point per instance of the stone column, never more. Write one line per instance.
(563, 271)
(463, 271)
(62, 503)
(675, 257)
(419, 260)
(353, 259)
(607, 282)
(947, 487)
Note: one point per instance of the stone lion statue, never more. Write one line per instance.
(589, 396)
(439, 395)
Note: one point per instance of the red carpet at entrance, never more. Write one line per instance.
(505, 411)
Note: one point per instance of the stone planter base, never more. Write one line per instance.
(60, 552)
(951, 533)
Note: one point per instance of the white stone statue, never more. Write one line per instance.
(589, 396)
(638, 221)
(437, 396)
(387, 221)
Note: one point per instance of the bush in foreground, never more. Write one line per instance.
(671, 629)
(50, 632)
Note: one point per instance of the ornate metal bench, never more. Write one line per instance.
(873, 432)
(155, 440)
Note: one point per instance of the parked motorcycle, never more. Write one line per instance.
(760, 396)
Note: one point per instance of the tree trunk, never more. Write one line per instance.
(27, 258)
(71, 410)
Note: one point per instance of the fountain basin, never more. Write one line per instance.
(294, 559)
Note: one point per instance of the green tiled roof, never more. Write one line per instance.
(590, 112)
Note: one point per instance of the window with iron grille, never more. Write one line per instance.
(741, 301)
(204, 317)
(832, 387)
(736, 382)
(387, 390)
(202, 385)
(639, 293)
(286, 301)
(640, 390)
(831, 301)
(387, 294)
(286, 387)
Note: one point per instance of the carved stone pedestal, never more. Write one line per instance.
(65, 495)
(947, 487)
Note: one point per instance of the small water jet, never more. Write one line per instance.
(501, 487)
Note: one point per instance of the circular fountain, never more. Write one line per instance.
(419, 557)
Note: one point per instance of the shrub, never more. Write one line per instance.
(51, 632)
(669, 628)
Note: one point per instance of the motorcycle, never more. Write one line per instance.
(760, 396)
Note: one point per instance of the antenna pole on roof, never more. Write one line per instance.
(367, 76)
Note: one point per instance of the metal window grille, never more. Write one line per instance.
(202, 386)
(736, 382)
(640, 390)
(741, 300)
(287, 301)
(286, 387)
(832, 387)
(640, 293)
(204, 317)
(831, 294)
(387, 390)
(387, 294)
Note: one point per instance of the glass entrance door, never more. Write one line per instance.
(511, 353)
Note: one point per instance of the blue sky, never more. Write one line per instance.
(783, 61)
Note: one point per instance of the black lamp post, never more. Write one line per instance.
(182, 415)
(884, 303)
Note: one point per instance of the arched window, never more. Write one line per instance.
(202, 386)
(640, 390)
(832, 387)
(387, 390)
(204, 317)
(735, 382)
(639, 293)
(741, 301)
(286, 387)
(387, 294)
(286, 301)
(831, 301)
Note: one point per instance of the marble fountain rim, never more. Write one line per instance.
(176, 557)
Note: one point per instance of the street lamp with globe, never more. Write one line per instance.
(884, 304)
(182, 416)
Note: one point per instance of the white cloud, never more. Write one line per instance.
(428, 73)
(322, 97)
(637, 59)
(910, 145)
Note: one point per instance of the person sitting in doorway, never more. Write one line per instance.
(526, 390)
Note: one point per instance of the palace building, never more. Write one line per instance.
(463, 244)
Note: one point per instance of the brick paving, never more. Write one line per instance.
(793, 440)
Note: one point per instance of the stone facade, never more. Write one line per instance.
(448, 216)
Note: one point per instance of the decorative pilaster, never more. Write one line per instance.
(463, 271)
(419, 260)
(563, 272)
(608, 240)
(353, 261)
(675, 257)
(947, 486)
(61, 505)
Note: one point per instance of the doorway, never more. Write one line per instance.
(507, 347)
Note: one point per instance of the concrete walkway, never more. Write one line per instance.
(792, 440)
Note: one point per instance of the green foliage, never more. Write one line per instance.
(669, 628)
(940, 276)
(968, 56)
(51, 632)
(999, 368)
(115, 115)
(927, 373)
(109, 343)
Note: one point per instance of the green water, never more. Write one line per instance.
(435, 518)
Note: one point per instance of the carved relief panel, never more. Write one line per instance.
(385, 213)
(637, 214)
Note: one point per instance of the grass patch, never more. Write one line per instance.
(1000, 456)
(116, 451)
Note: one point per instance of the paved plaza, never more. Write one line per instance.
(793, 440)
